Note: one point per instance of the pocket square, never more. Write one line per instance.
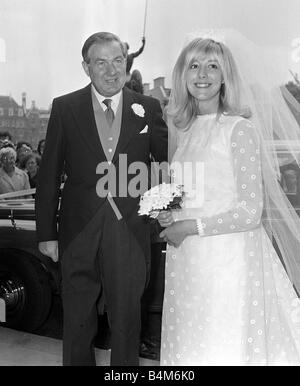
(145, 130)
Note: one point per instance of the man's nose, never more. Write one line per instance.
(111, 69)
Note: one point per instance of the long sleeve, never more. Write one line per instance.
(132, 56)
(247, 212)
(139, 51)
(158, 146)
(158, 134)
(49, 178)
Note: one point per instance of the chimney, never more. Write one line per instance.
(33, 105)
(159, 82)
(24, 101)
(146, 87)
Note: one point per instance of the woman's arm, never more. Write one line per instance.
(247, 173)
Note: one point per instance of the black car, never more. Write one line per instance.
(28, 279)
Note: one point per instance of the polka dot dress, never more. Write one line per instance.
(228, 300)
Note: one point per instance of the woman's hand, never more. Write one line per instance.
(178, 231)
(165, 218)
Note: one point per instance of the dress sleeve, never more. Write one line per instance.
(247, 213)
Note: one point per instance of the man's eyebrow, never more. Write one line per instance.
(99, 59)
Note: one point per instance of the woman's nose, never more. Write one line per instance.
(202, 73)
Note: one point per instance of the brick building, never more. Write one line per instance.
(22, 123)
(159, 91)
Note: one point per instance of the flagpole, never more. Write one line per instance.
(145, 17)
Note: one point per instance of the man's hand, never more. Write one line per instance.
(50, 249)
(165, 218)
(176, 233)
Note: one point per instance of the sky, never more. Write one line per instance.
(41, 40)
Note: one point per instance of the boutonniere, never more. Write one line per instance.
(138, 109)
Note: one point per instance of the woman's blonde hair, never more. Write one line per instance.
(182, 108)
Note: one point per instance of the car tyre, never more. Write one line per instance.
(26, 290)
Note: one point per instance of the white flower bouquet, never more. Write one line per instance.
(161, 197)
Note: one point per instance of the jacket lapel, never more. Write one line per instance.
(84, 113)
(130, 123)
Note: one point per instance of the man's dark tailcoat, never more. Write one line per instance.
(73, 146)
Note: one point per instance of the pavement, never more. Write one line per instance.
(19, 348)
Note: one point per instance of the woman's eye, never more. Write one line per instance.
(213, 66)
(194, 65)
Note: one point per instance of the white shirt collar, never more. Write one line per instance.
(115, 99)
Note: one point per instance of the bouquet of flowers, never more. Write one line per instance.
(161, 197)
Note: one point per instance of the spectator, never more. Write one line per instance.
(5, 135)
(6, 143)
(31, 164)
(41, 146)
(136, 82)
(23, 148)
(12, 179)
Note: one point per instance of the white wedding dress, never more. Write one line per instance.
(228, 299)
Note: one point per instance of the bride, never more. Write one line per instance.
(228, 298)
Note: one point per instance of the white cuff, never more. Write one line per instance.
(200, 227)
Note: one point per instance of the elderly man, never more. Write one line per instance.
(12, 179)
(103, 244)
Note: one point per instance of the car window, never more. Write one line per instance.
(290, 179)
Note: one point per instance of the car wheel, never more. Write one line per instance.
(26, 290)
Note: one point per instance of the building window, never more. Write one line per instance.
(10, 112)
(1, 111)
(20, 113)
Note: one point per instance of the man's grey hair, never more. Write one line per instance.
(101, 38)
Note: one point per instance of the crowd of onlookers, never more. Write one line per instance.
(19, 164)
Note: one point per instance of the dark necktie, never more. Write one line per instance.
(109, 113)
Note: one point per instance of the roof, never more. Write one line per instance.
(7, 102)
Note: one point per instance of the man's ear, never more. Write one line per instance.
(86, 68)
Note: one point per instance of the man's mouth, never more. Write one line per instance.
(111, 81)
